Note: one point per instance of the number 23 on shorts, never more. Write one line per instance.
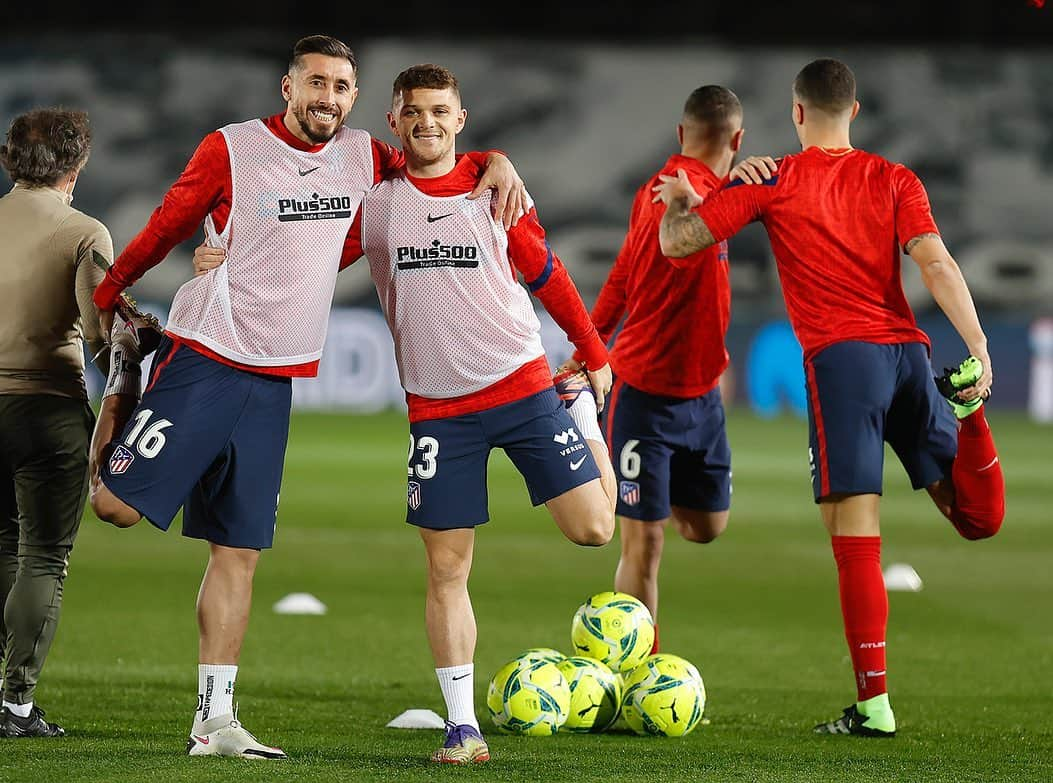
(426, 450)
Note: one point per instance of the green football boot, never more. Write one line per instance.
(952, 381)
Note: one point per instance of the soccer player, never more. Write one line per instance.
(52, 257)
(837, 218)
(209, 435)
(470, 358)
(664, 421)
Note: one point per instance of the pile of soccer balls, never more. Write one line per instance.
(541, 691)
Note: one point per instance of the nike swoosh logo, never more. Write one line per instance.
(202, 740)
(460, 678)
(304, 173)
(438, 217)
(578, 464)
(989, 465)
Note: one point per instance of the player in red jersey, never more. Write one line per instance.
(837, 218)
(664, 421)
(210, 433)
(469, 353)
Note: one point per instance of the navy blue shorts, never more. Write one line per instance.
(447, 459)
(209, 438)
(861, 395)
(667, 451)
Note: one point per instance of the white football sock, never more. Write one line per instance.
(215, 692)
(21, 710)
(583, 412)
(458, 689)
(125, 373)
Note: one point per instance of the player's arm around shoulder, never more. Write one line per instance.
(681, 232)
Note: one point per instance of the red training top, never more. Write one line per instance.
(837, 220)
(677, 310)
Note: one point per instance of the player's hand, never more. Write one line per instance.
(510, 202)
(571, 365)
(982, 388)
(601, 381)
(207, 258)
(754, 170)
(105, 323)
(676, 192)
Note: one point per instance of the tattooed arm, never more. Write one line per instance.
(681, 231)
(945, 282)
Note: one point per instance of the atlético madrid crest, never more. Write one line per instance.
(630, 492)
(120, 460)
(413, 495)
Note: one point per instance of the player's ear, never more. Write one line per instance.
(736, 139)
(461, 119)
(798, 113)
(855, 111)
(680, 134)
(287, 87)
(392, 124)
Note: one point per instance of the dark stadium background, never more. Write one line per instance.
(584, 97)
(960, 91)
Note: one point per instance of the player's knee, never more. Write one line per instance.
(596, 529)
(448, 573)
(978, 525)
(704, 528)
(109, 508)
(643, 541)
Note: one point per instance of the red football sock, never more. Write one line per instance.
(979, 486)
(864, 606)
(654, 647)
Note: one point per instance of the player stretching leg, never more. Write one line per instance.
(210, 432)
(664, 419)
(469, 353)
(837, 218)
(475, 372)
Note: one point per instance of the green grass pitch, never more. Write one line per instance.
(969, 656)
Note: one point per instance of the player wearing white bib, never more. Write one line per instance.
(476, 377)
(470, 357)
(278, 196)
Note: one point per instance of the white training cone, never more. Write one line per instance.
(902, 577)
(299, 603)
(417, 719)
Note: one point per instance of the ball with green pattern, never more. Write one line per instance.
(614, 628)
(528, 697)
(595, 694)
(542, 654)
(664, 696)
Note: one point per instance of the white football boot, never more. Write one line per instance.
(225, 736)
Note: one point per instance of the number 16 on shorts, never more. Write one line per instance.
(150, 442)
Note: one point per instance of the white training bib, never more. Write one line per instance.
(458, 316)
(268, 305)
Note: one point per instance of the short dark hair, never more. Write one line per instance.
(426, 76)
(826, 84)
(715, 109)
(44, 145)
(321, 44)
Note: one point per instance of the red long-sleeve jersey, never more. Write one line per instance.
(837, 220)
(676, 310)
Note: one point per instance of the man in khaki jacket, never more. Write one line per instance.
(52, 256)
